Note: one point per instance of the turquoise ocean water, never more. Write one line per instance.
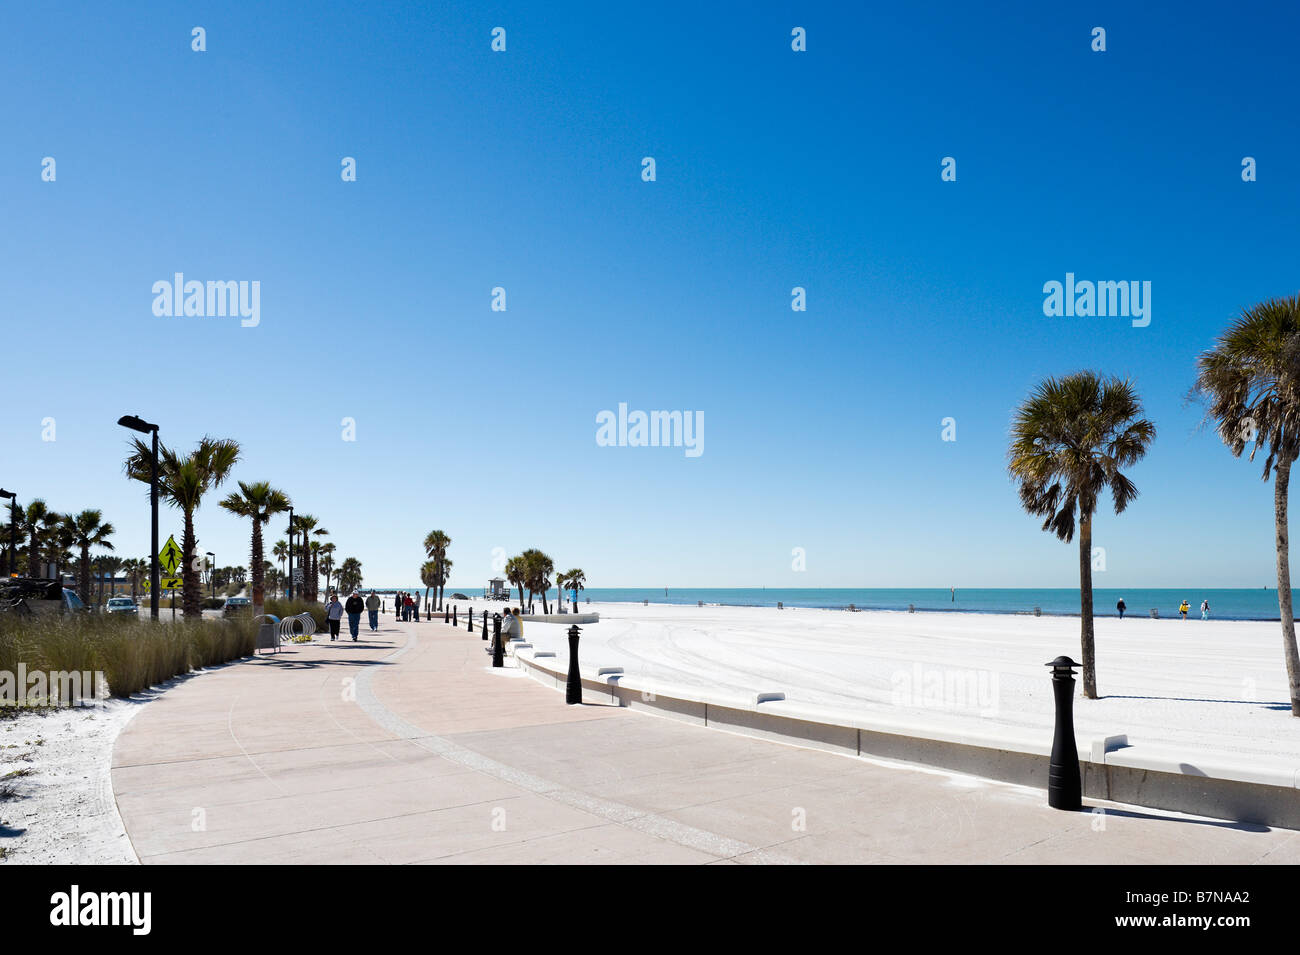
(1236, 604)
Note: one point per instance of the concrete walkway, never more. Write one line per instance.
(410, 748)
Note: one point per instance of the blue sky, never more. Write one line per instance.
(521, 169)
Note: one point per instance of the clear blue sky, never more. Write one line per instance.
(522, 170)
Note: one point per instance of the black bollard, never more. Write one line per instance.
(498, 651)
(573, 689)
(1064, 789)
(469, 620)
(484, 624)
(453, 617)
(446, 615)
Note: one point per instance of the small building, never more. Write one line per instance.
(497, 589)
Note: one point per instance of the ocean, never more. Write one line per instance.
(1225, 604)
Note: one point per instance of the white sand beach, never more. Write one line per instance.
(1201, 687)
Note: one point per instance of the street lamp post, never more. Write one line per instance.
(212, 580)
(291, 555)
(12, 497)
(144, 427)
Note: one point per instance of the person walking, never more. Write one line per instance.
(1183, 608)
(1121, 607)
(407, 604)
(333, 615)
(372, 608)
(1205, 609)
(354, 606)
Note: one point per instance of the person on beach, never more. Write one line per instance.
(1205, 609)
(1183, 608)
(353, 608)
(1121, 607)
(510, 629)
(407, 604)
(519, 622)
(372, 606)
(333, 615)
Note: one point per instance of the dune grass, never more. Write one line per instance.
(133, 654)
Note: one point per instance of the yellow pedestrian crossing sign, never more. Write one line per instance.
(169, 558)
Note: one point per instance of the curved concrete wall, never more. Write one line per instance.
(1112, 768)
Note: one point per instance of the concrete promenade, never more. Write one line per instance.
(409, 748)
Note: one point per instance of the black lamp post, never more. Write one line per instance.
(144, 427)
(1064, 790)
(291, 554)
(212, 579)
(12, 497)
(573, 688)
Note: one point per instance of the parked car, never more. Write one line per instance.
(236, 605)
(121, 605)
(27, 595)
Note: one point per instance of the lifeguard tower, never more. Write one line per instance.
(497, 589)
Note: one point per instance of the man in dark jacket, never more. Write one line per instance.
(353, 608)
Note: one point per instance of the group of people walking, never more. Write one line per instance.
(334, 611)
(1183, 608)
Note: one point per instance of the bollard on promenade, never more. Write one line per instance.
(485, 625)
(573, 689)
(453, 617)
(446, 614)
(498, 651)
(1064, 789)
(469, 620)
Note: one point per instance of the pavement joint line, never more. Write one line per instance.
(641, 820)
(334, 827)
(230, 726)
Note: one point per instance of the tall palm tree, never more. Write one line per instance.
(108, 565)
(33, 522)
(516, 573)
(350, 575)
(89, 529)
(183, 480)
(258, 502)
(1250, 382)
(537, 574)
(56, 533)
(1068, 442)
(327, 562)
(429, 577)
(281, 552)
(435, 546)
(572, 580)
(306, 525)
(134, 568)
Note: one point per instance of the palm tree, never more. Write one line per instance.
(537, 574)
(1068, 442)
(1250, 381)
(572, 580)
(307, 526)
(134, 568)
(88, 530)
(183, 480)
(259, 502)
(108, 565)
(327, 562)
(56, 532)
(281, 552)
(516, 573)
(429, 577)
(435, 546)
(33, 522)
(349, 575)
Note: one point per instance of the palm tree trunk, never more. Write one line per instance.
(85, 577)
(191, 586)
(1281, 480)
(259, 589)
(1085, 607)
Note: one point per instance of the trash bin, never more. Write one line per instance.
(268, 632)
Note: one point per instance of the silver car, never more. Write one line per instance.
(121, 605)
